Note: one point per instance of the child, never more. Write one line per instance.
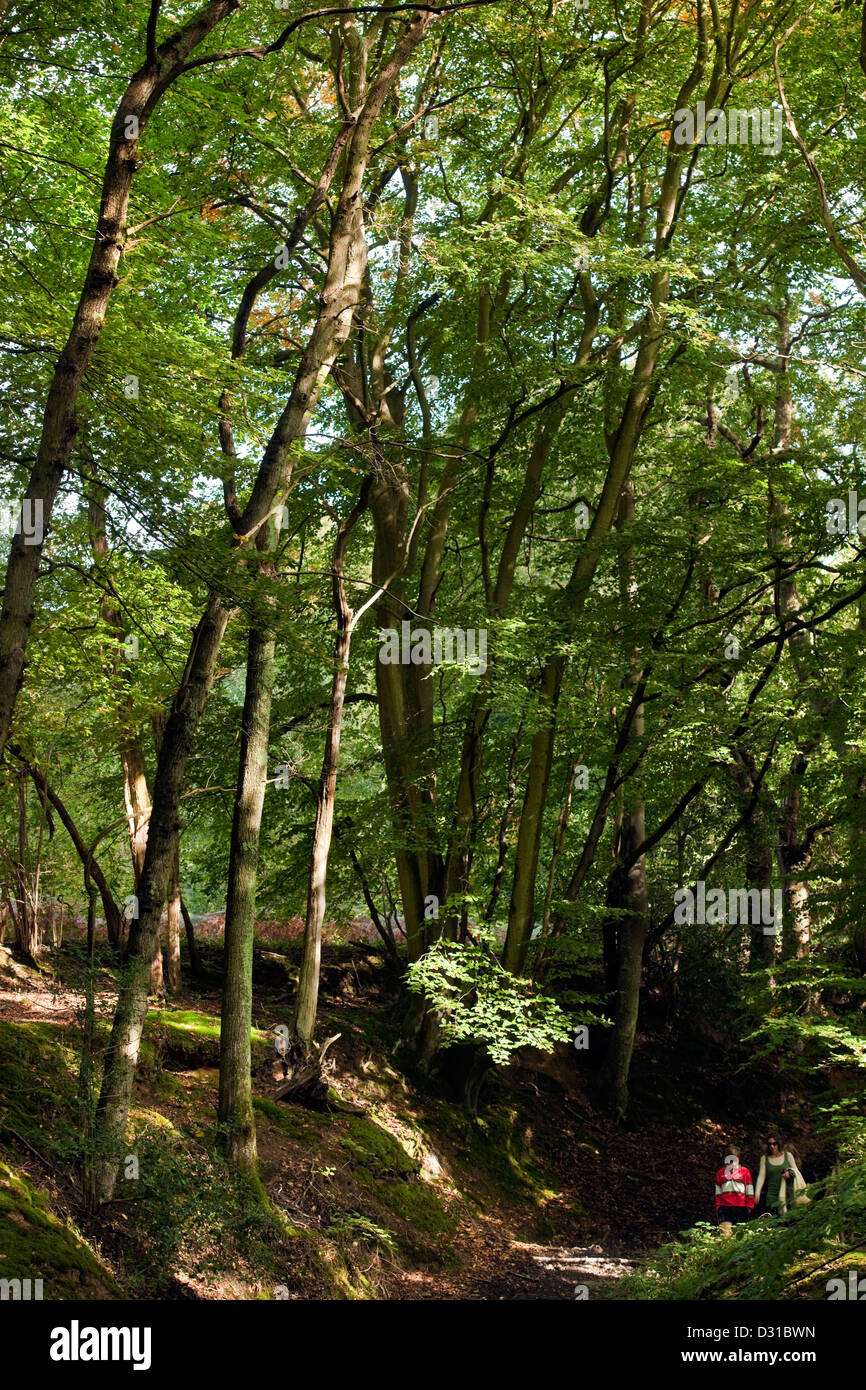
(735, 1195)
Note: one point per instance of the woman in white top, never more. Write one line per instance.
(778, 1169)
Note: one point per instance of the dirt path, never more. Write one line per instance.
(510, 1270)
(576, 1272)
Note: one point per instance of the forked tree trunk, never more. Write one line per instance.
(339, 300)
(622, 448)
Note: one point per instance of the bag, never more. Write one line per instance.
(800, 1197)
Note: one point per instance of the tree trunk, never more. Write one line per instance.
(26, 927)
(172, 935)
(131, 1009)
(195, 963)
(136, 797)
(622, 447)
(236, 1116)
(339, 300)
(113, 918)
(157, 974)
(634, 928)
(59, 423)
(304, 1021)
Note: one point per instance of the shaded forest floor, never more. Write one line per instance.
(539, 1194)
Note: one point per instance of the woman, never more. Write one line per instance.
(778, 1169)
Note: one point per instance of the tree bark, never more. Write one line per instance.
(339, 300)
(59, 424)
(122, 1054)
(172, 933)
(634, 927)
(306, 1001)
(113, 917)
(235, 1089)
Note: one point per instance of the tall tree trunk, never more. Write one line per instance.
(59, 425)
(136, 797)
(235, 1089)
(306, 1001)
(635, 926)
(339, 300)
(622, 447)
(26, 926)
(758, 859)
(195, 962)
(131, 1009)
(172, 933)
(522, 907)
(389, 497)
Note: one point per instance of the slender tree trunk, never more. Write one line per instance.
(339, 300)
(27, 930)
(635, 926)
(195, 962)
(155, 879)
(59, 424)
(522, 907)
(235, 1089)
(157, 973)
(136, 797)
(622, 448)
(113, 918)
(172, 957)
(306, 1001)
(389, 496)
(759, 865)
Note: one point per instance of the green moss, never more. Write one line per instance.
(37, 1085)
(292, 1119)
(167, 1085)
(417, 1203)
(193, 1038)
(140, 1121)
(34, 1244)
(372, 1147)
(189, 1020)
(498, 1153)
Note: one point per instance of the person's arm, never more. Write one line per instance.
(798, 1176)
(762, 1177)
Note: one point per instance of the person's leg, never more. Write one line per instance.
(725, 1228)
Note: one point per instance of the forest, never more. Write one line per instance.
(433, 654)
